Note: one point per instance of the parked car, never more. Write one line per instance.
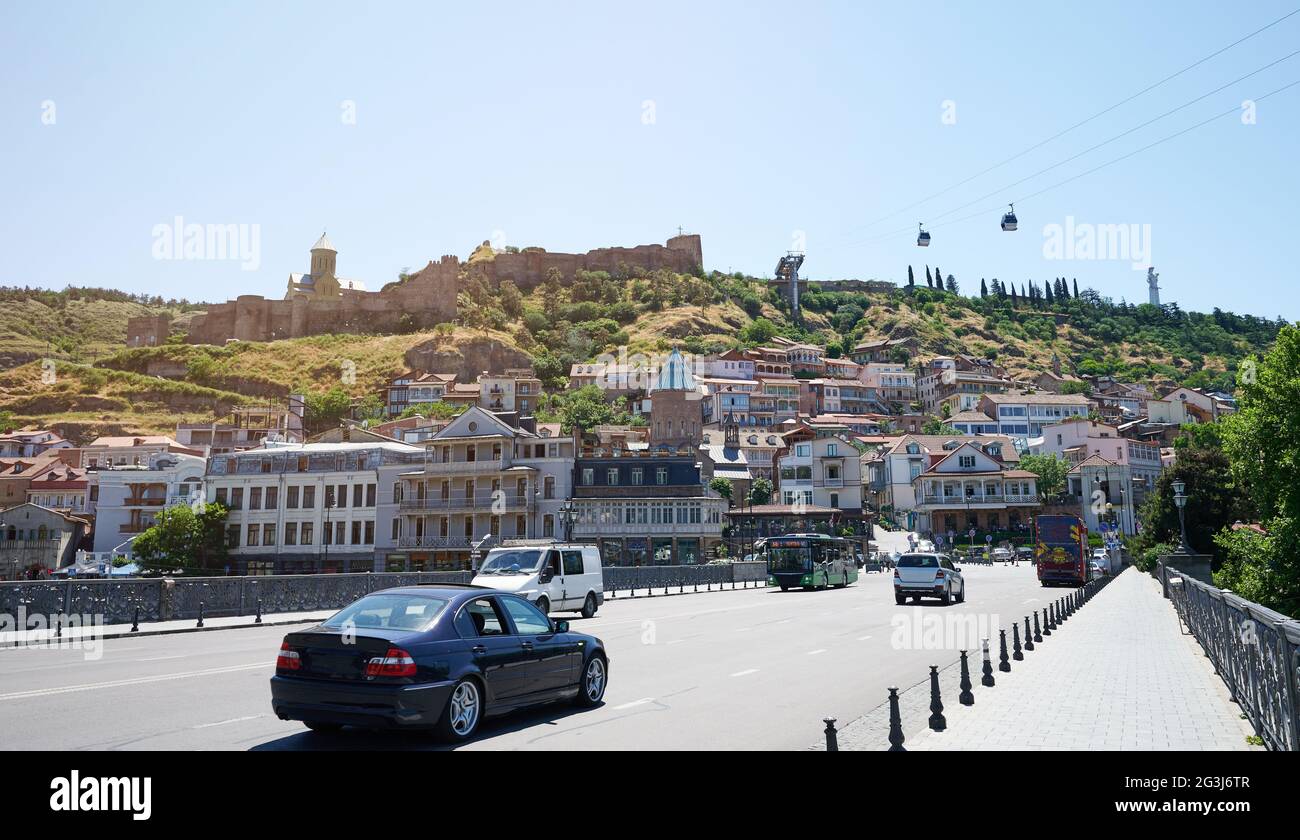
(1003, 555)
(928, 575)
(1101, 559)
(1025, 552)
(552, 577)
(440, 658)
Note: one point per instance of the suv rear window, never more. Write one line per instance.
(918, 561)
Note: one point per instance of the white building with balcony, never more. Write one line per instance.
(968, 489)
(131, 496)
(481, 480)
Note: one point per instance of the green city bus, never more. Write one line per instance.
(813, 561)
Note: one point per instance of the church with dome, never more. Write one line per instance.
(322, 282)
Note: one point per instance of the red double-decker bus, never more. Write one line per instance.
(1061, 550)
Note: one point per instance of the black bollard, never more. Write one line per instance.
(966, 698)
(937, 721)
(832, 743)
(258, 620)
(895, 723)
(1004, 664)
(200, 614)
(58, 626)
(1015, 643)
(1047, 625)
(987, 680)
(1029, 640)
(1038, 637)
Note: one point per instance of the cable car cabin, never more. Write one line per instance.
(1009, 219)
(923, 238)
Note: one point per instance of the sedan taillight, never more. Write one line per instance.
(395, 663)
(288, 660)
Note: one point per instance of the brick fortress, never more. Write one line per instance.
(320, 302)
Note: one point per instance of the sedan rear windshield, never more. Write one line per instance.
(389, 611)
(918, 561)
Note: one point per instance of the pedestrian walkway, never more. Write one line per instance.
(1119, 675)
(10, 638)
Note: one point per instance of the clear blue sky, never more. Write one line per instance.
(529, 119)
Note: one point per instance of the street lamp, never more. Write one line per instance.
(568, 514)
(1180, 501)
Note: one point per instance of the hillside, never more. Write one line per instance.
(558, 324)
(74, 324)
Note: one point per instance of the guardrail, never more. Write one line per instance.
(1254, 649)
(167, 599)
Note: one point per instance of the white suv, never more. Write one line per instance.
(928, 575)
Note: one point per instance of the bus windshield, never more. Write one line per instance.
(789, 558)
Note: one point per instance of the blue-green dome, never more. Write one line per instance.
(674, 374)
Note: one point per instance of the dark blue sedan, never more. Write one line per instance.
(433, 657)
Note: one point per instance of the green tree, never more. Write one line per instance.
(1050, 469)
(327, 409)
(722, 486)
(184, 539)
(585, 409)
(1262, 442)
(7, 423)
(760, 492)
(758, 331)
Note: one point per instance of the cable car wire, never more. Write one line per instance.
(1092, 148)
(1084, 122)
(1233, 110)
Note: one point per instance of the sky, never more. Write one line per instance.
(409, 131)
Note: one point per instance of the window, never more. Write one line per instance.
(221, 497)
(480, 618)
(272, 498)
(357, 490)
(255, 498)
(356, 533)
(611, 476)
(548, 487)
(232, 536)
(305, 536)
(369, 533)
(832, 450)
(340, 533)
(661, 475)
(572, 562)
(548, 526)
(253, 532)
(637, 475)
(291, 497)
(967, 462)
(588, 476)
(528, 620)
(268, 534)
(291, 533)
(309, 497)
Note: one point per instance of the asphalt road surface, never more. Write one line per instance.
(732, 670)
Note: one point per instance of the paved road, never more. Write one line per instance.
(744, 669)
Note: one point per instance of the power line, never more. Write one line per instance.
(1092, 148)
(1233, 110)
(1084, 122)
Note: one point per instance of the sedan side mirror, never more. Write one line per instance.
(559, 626)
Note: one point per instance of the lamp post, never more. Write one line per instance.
(1180, 501)
(568, 514)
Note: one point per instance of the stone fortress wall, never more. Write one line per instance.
(428, 296)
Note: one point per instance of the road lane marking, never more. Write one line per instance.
(69, 689)
(745, 673)
(640, 702)
(232, 720)
(160, 658)
(817, 651)
(863, 638)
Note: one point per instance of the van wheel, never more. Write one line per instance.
(543, 604)
(589, 606)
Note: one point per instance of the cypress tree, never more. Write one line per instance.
(928, 282)
(984, 289)
(911, 281)
(952, 284)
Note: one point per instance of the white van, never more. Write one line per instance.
(559, 576)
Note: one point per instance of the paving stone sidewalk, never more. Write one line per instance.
(1119, 675)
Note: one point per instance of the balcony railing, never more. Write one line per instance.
(143, 501)
(986, 499)
(462, 467)
(446, 542)
(486, 501)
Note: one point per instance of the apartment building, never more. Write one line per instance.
(415, 388)
(514, 390)
(1079, 439)
(481, 479)
(901, 464)
(311, 507)
(819, 466)
(28, 443)
(131, 450)
(132, 496)
(1024, 415)
(966, 486)
(892, 383)
(247, 427)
